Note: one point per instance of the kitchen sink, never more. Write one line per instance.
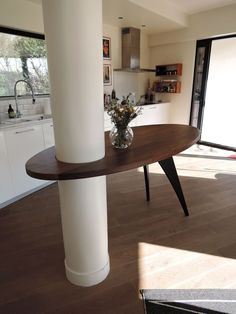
(23, 119)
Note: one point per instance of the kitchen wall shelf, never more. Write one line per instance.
(169, 69)
(168, 78)
(167, 86)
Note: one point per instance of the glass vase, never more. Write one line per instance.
(121, 137)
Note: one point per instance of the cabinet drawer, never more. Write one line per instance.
(48, 135)
(22, 143)
(6, 189)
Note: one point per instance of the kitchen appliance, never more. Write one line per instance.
(131, 50)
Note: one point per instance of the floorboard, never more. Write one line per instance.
(151, 244)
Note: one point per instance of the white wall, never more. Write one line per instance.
(177, 53)
(21, 14)
(179, 47)
(28, 16)
(115, 34)
(125, 82)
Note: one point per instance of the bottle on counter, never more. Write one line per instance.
(11, 112)
(132, 98)
(149, 93)
(113, 94)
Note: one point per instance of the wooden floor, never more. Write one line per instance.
(151, 245)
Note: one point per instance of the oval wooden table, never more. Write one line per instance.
(153, 143)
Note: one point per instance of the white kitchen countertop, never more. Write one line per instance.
(27, 121)
(24, 122)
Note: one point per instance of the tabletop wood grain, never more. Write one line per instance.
(151, 143)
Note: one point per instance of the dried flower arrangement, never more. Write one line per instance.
(122, 113)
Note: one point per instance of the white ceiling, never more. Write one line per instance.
(158, 15)
(196, 6)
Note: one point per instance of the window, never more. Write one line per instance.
(22, 56)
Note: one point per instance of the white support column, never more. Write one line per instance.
(84, 224)
(73, 32)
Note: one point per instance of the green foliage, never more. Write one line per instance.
(22, 58)
(6, 46)
(13, 46)
(30, 47)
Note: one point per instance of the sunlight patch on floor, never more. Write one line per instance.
(190, 166)
(163, 267)
(207, 151)
(195, 173)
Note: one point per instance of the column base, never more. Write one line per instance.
(87, 279)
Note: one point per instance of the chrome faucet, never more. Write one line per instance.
(18, 114)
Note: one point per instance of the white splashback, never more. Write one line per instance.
(25, 106)
(127, 82)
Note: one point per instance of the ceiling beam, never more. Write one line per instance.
(164, 9)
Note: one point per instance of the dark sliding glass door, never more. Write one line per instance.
(213, 107)
(199, 82)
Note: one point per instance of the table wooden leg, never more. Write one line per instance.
(168, 167)
(146, 177)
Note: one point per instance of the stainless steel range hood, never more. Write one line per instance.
(131, 50)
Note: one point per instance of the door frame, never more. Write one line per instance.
(206, 43)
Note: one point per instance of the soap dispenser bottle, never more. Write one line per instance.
(11, 113)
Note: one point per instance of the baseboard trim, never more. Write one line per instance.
(18, 197)
(87, 279)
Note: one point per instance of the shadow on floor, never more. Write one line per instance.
(144, 239)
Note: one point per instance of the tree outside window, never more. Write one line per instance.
(23, 58)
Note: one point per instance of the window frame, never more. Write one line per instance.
(14, 31)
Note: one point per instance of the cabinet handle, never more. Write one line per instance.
(51, 125)
(152, 107)
(24, 131)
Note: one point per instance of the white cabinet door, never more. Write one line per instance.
(48, 134)
(154, 114)
(148, 115)
(162, 112)
(151, 114)
(22, 143)
(6, 188)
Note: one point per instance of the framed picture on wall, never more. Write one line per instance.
(106, 46)
(107, 74)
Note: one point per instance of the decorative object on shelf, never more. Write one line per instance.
(168, 81)
(106, 74)
(106, 45)
(121, 114)
(167, 86)
(169, 69)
